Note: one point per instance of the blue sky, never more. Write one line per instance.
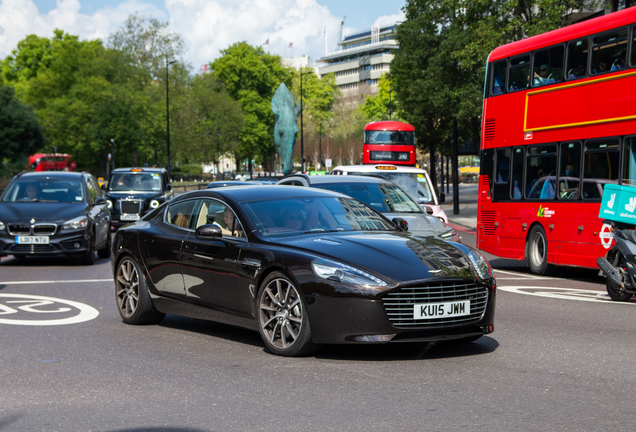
(206, 26)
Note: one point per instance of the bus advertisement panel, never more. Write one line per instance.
(559, 123)
(389, 142)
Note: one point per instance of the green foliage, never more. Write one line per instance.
(189, 169)
(383, 105)
(20, 132)
(251, 76)
(318, 98)
(444, 44)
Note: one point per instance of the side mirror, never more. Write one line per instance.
(100, 200)
(401, 224)
(168, 187)
(208, 231)
(442, 197)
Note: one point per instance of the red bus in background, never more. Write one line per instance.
(52, 162)
(559, 122)
(389, 142)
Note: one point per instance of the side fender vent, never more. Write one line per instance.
(487, 218)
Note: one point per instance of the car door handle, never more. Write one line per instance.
(149, 240)
(190, 247)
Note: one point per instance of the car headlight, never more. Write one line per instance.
(75, 224)
(481, 265)
(154, 204)
(448, 234)
(109, 203)
(2, 227)
(339, 272)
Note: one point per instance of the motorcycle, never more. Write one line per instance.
(620, 265)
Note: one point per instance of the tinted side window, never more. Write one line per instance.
(633, 56)
(600, 166)
(517, 174)
(629, 166)
(519, 73)
(92, 191)
(609, 52)
(577, 59)
(500, 69)
(541, 172)
(569, 173)
(548, 66)
(180, 214)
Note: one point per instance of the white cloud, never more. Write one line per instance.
(207, 26)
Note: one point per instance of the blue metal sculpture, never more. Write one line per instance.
(285, 129)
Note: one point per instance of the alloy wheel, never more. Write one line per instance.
(127, 283)
(281, 313)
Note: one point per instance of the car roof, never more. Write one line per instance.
(242, 194)
(61, 174)
(143, 169)
(380, 171)
(338, 179)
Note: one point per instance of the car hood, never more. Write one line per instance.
(420, 224)
(42, 212)
(401, 256)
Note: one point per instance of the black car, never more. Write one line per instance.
(51, 213)
(133, 192)
(302, 266)
(381, 195)
(225, 183)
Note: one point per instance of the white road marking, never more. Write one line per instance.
(564, 294)
(86, 312)
(55, 282)
(524, 276)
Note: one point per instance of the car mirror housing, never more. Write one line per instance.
(208, 231)
(401, 223)
(442, 197)
(168, 187)
(100, 200)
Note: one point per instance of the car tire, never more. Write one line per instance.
(615, 292)
(105, 252)
(89, 257)
(537, 252)
(131, 292)
(282, 317)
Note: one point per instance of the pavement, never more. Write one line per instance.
(467, 216)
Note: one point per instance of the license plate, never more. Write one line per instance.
(32, 240)
(129, 217)
(441, 310)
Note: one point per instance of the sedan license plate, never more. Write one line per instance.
(441, 310)
(130, 217)
(32, 240)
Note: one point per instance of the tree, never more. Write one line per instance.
(20, 132)
(251, 76)
(440, 67)
(383, 105)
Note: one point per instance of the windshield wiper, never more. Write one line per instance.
(322, 231)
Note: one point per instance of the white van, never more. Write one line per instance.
(414, 181)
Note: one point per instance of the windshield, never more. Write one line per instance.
(284, 217)
(388, 137)
(414, 184)
(383, 197)
(45, 190)
(142, 182)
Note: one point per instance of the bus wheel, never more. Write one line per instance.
(537, 252)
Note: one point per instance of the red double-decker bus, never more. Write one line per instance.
(52, 162)
(389, 142)
(559, 122)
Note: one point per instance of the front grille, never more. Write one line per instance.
(399, 304)
(130, 206)
(44, 229)
(31, 248)
(19, 229)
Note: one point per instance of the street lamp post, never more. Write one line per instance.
(113, 143)
(168, 113)
(302, 143)
(218, 156)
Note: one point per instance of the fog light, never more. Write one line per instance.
(76, 245)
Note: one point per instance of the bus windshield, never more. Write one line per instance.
(388, 137)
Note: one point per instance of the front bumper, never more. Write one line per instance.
(364, 320)
(73, 242)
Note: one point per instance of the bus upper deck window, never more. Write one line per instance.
(548, 66)
(577, 59)
(633, 62)
(609, 52)
(499, 77)
(519, 77)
